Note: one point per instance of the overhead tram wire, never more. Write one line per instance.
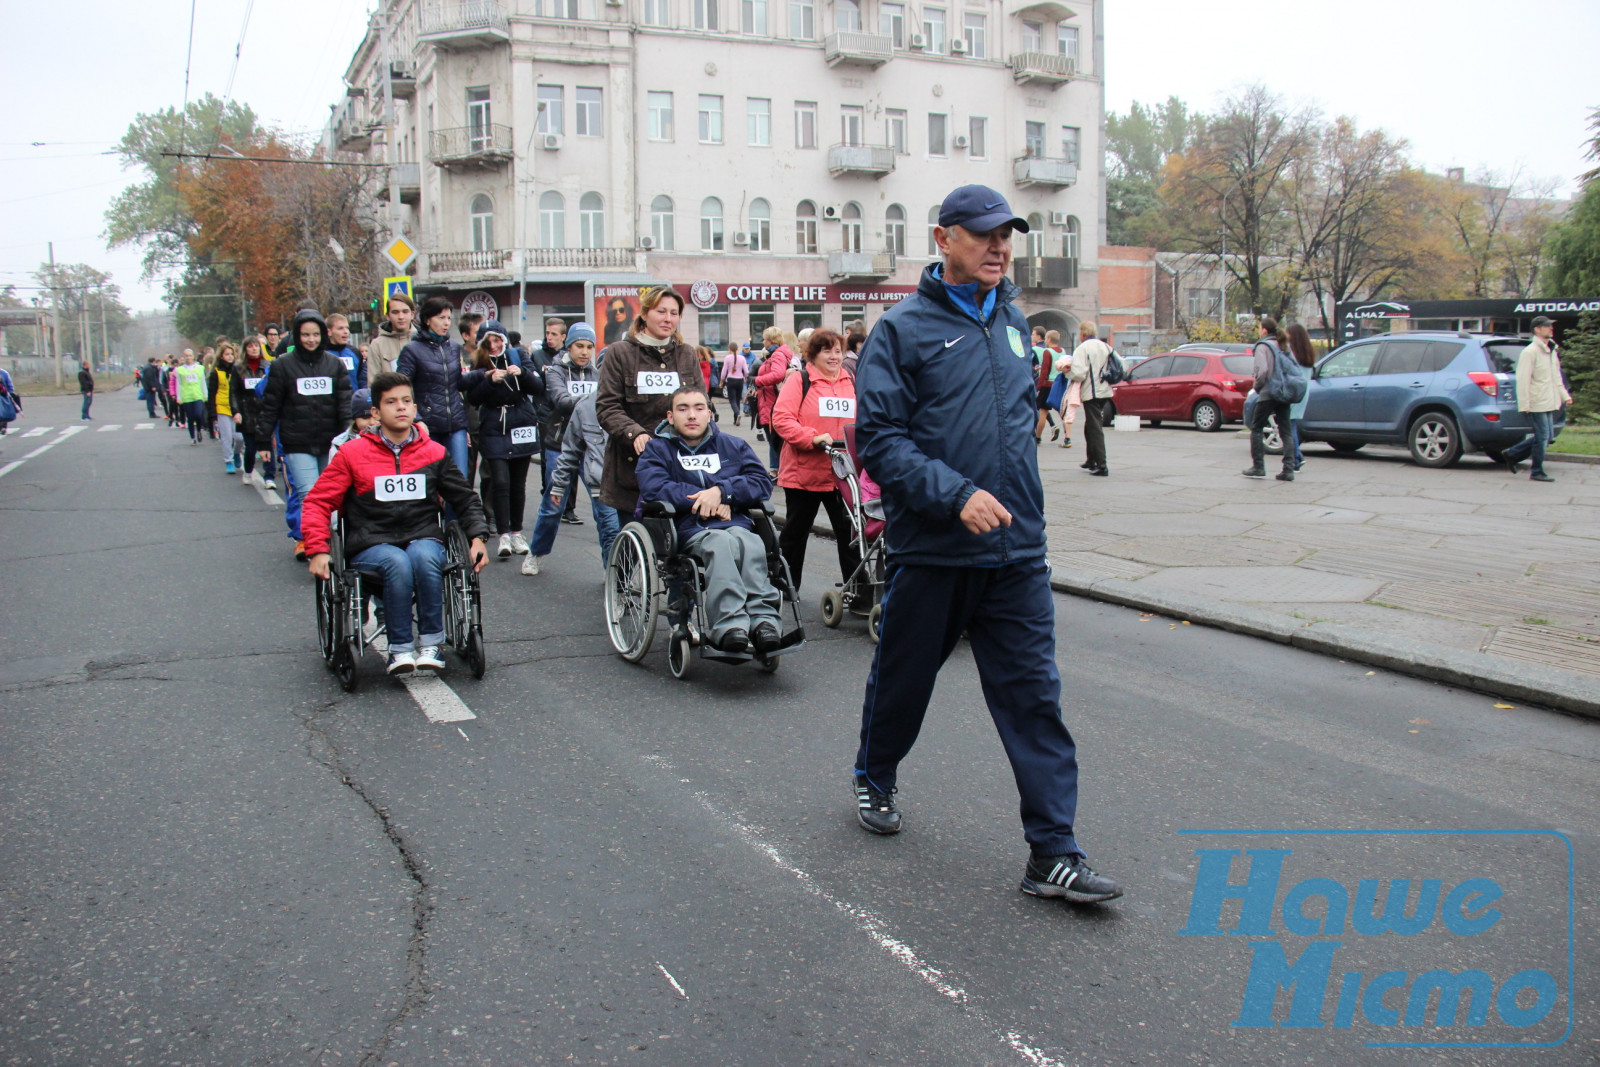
(227, 93)
(188, 65)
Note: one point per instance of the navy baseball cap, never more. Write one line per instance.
(979, 209)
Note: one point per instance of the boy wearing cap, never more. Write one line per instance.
(361, 418)
(946, 408)
(1541, 392)
(571, 378)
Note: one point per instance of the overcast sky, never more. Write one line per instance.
(1472, 83)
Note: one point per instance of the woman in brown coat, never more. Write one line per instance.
(638, 376)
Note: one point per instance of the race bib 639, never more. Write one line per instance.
(314, 386)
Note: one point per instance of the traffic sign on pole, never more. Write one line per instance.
(391, 286)
(400, 252)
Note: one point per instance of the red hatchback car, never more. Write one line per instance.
(1206, 388)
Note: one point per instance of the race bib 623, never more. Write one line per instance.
(658, 382)
(523, 435)
(399, 486)
(314, 386)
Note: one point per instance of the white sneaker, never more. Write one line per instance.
(428, 658)
(519, 544)
(505, 545)
(402, 663)
(530, 565)
(269, 484)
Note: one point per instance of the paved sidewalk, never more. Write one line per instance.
(1493, 579)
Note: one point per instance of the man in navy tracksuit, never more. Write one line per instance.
(947, 406)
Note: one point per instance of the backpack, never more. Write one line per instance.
(805, 380)
(1288, 382)
(1114, 371)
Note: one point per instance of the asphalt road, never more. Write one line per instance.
(210, 854)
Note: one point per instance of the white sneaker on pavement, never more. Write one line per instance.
(429, 659)
(519, 544)
(505, 546)
(402, 663)
(530, 565)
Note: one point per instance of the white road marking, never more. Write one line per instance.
(144, 426)
(38, 431)
(112, 426)
(668, 975)
(463, 734)
(40, 450)
(9, 467)
(268, 497)
(437, 700)
(69, 431)
(877, 929)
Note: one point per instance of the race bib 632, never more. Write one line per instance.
(658, 382)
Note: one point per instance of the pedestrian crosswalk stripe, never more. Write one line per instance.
(38, 431)
(113, 426)
(144, 426)
(9, 467)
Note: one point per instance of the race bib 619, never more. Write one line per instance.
(658, 382)
(399, 486)
(710, 463)
(836, 407)
(314, 386)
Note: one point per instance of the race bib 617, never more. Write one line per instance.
(583, 389)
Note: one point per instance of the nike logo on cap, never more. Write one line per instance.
(991, 207)
(947, 344)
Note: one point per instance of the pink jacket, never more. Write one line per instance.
(768, 379)
(802, 465)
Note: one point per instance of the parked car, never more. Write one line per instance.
(1204, 387)
(1440, 394)
(1208, 346)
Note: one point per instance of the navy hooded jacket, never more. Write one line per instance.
(669, 470)
(946, 406)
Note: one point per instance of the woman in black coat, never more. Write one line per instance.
(433, 363)
(508, 430)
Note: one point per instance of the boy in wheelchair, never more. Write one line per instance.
(387, 483)
(704, 475)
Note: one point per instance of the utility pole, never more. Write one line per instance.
(396, 213)
(85, 359)
(55, 315)
(105, 337)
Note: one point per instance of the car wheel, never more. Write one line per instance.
(1346, 447)
(1207, 416)
(1434, 439)
(1272, 439)
(1108, 414)
(1154, 423)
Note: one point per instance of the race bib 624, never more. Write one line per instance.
(658, 382)
(399, 486)
(710, 463)
(314, 386)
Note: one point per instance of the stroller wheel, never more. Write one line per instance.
(832, 608)
(873, 622)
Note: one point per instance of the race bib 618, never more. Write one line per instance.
(710, 463)
(836, 407)
(658, 382)
(314, 386)
(399, 486)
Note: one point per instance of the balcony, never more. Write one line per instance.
(857, 49)
(1042, 68)
(1039, 10)
(500, 261)
(563, 259)
(860, 266)
(464, 24)
(876, 160)
(504, 264)
(351, 132)
(402, 77)
(1037, 170)
(407, 180)
(1045, 272)
(466, 147)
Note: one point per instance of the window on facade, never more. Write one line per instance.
(482, 211)
(807, 317)
(802, 20)
(936, 134)
(1033, 139)
(892, 23)
(552, 220)
(975, 29)
(847, 16)
(894, 230)
(587, 122)
(805, 228)
(591, 221)
(1203, 303)
(850, 125)
(933, 28)
(1070, 137)
(705, 14)
(710, 119)
(1035, 236)
(1069, 239)
(661, 222)
(895, 126)
(762, 318)
(805, 124)
(1032, 37)
(851, 230)
(659, 106)
(978, 138)
(480, 134)
(933, 242)
(760, 225)
(753, 17)
(849, 313)
(1067, 42)
(758, 121)
(713, 323)
(559, 9)
(656, 13)
(550, 118)
(711, 224)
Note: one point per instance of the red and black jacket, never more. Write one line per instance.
(348, 487)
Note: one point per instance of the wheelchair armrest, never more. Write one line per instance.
(656, 509)
(762, 508)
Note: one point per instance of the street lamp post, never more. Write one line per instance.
(527, 183)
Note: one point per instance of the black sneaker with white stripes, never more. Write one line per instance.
(875, 809)
(1067, 878)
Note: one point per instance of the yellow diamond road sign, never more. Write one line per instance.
(400, 252)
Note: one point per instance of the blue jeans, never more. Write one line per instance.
(1543, 425)
(456, 445)
(548, 524)
(415, 570)
(1294, 432)
(88, 398)
(300, 470)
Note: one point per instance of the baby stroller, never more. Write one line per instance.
(859, 593)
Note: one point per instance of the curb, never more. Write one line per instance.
(1530, 683)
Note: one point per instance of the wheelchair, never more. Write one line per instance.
(342, 607)
(648, 576)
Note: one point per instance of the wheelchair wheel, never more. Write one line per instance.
(873, 622)
(832, 608)
(632, 593)
(680, 655)
(345, 660)
(328, 609)
(770, 664)
(477, 656)
(459, 598)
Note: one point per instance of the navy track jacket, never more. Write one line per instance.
(946, 406)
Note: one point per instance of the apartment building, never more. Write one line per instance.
(781, 161)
